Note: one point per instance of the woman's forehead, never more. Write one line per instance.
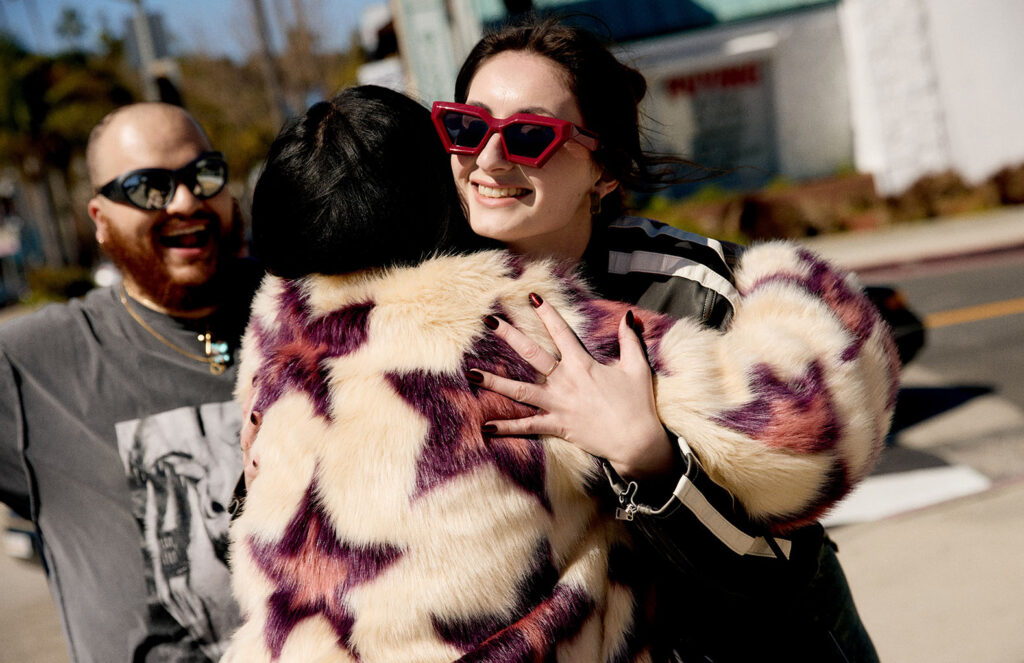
(520, 82)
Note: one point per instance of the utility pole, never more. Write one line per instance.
(426, 46)
(147, 53)
(466, 29)
(275, 98)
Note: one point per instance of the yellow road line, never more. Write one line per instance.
(959, 316)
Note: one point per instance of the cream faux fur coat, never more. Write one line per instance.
(384, 527)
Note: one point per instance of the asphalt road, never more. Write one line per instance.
(962, 397)
(974, 308)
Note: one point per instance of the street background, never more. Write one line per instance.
(879, 127)
(933, 552)
(931, 541)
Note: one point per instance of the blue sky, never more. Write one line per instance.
(215, 27)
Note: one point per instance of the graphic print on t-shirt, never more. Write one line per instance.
(182, 466)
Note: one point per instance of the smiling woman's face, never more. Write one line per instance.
(534, 211)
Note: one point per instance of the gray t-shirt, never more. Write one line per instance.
(125, 453)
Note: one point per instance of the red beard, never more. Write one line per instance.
(175, 288)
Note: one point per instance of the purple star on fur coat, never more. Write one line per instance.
(312, 571)
(456, 411)
(548, 613)
(297, 347)
(454, 443)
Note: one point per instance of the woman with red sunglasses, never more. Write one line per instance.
(544, 136)
(385, 523)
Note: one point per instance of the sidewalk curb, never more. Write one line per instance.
(923, 261)
(1000, 486)
(922, 242)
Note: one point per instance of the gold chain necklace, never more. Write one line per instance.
(216, 352)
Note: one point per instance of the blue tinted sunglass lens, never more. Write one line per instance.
(528, 140)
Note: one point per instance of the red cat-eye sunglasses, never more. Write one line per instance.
(526, 138)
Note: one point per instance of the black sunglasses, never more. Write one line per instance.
(153, 188)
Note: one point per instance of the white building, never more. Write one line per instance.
(792, 88)
(934, 84)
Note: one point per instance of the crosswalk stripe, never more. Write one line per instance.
(886, 495)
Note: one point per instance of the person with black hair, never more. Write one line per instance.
(546, 88)
(343, 151)
(385, 521)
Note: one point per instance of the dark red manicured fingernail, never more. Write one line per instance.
(488, 429)
(535, 300)
(491, 322)
(476, 377)
(635, 323)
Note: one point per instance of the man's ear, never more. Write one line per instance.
(100, 221)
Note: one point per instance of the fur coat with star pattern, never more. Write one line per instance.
(384, 527)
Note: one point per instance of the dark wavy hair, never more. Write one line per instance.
(608, 93)
(359, 181)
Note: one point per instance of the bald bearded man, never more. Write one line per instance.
(118, 435)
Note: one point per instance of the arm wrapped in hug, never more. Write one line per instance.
(787, 408)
